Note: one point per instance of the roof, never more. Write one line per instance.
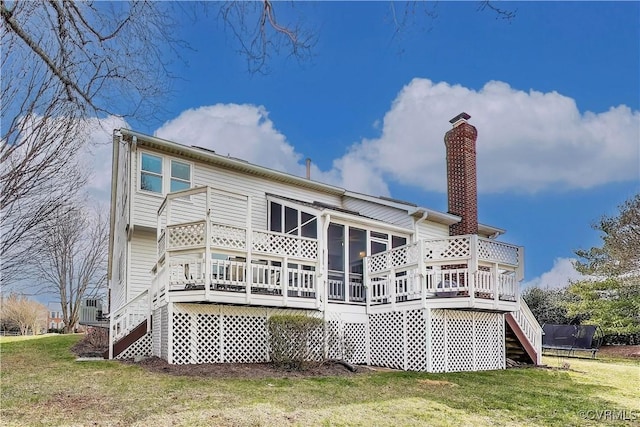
(210, 156)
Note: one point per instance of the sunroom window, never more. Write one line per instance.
(285, 219)
(151, 173)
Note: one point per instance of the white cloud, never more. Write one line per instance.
(527, 141)
(242, 131)
(96, 154)
(559, 276)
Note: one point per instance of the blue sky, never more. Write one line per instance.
(554, 93)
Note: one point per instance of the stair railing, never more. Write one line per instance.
(126, 318)
(530, 327)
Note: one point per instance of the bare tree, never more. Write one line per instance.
(23, 313)
(260, 34)
(63, 63)
(73, 265)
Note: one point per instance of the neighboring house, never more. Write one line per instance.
(204, 248)
(54, 316)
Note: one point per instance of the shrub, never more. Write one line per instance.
(296, 342)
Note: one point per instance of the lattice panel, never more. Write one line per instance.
(378, 262)
(416, 340)
(491, 250)
(405, 255)
(181, 339)
(489, 341)
(156, 328)
(460, 341)
(443, 249)
(438, 344)
(245, 339)
(355, 342)
(335, 339)
(227, 236)
(208, 338)
(141, 348)
(285, 245)
(162, 242)
(387, 348)
(164, 333)
(188, 235)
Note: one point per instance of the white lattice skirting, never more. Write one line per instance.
(417, 340)
(231, 334)
(466, 341)
(142, 347)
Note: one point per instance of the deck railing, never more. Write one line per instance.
(457, 266)
(127, 317)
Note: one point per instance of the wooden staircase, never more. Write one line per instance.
(123, 343)
(517, 346)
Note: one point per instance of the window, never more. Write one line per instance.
(151, 173)
(285, 219)
(275, 212)
(155, 180)
(397, 241)
(180, 176)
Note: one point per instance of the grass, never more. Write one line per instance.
(42, 384)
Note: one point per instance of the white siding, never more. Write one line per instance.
(225, 208)
(121, 220)
(143, 257)
(384, 213)
(256, 188)
(432, 230)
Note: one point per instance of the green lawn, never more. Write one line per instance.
(43, 385)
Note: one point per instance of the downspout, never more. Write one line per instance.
(424, 216)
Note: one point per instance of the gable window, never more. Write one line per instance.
(180, 176)
(151, 173)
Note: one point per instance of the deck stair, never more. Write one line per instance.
(123, 343)
(523, 336)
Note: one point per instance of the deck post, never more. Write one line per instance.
(285, 281)
(429, 344)
(167, 256)
(325, 259)
(495, 274)
(392, 288)
(366, 282)
(472, 270)
(320, 271)
(249, 243)
(207, 247)
(422, 274)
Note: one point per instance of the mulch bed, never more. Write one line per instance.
(85, 348)
(625, 351)
(245, 370)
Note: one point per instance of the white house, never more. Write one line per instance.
(204, 248)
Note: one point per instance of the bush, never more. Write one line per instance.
(296, 342)
(621, 339)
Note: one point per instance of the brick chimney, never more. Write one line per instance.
(461, 175)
